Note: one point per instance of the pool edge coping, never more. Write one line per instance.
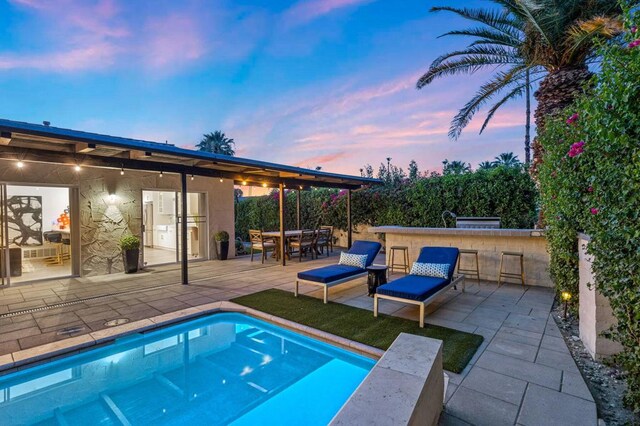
(20, 359)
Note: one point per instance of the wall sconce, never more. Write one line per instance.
(20, 164)
(244, 183)
(112, 198)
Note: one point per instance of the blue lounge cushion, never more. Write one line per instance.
(370, 248)
(329, 274)
(413, 287)
(448, 255)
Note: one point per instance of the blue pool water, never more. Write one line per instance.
(222, 369)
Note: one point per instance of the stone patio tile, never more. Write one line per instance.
(451, 389)
(525, 322)
(487, 318)
(520, 369)
(542, 406)
(495, 384)
(505, 306)
(9, 346)
(469, 328)
(554, 343)
(57, 320)
(556, 359)
(552, 329)
(449, 314)
(18, 334)
(447, 419)
(513, 335)
(100, 316)
(513, 349)
(480, 409)
(574, 384)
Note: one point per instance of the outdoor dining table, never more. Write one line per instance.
(287, 234)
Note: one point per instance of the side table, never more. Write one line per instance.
(377, 277)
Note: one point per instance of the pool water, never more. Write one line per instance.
(222, 369)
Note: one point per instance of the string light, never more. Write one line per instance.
(192, 177)
(122, 171)
(161, 173)
(221, 180)
(20, 164)
(264, 185)
(244, 183)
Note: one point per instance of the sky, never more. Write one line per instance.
(309, 83)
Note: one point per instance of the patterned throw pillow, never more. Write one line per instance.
(437, 270)
(357, 260)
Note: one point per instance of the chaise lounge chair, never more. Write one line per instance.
(422, 289)
(331, 275)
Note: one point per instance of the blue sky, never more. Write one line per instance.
(310, 83)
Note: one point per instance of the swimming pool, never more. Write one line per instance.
(226, 368)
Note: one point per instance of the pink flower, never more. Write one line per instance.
(572, 119)
(594, 210)
(576, 149)
(324, 205)
(634, 29)
(634, 43)
(590, 189)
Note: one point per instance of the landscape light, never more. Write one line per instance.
(566, 296)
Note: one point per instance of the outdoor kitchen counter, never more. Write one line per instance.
(490, 243)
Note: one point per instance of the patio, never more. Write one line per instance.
(522, 373)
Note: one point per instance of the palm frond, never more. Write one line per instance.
(500, 20)
(490, 35)
(487, 91)
(582, 35)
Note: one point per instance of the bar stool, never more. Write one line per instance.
(405, 259)
(475, 271)
(511, 274)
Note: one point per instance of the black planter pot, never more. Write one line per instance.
(130, 260)
(224, 250)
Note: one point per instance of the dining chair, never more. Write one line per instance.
(264, 244)
(330, 229)
(322, 240)
(304, 243)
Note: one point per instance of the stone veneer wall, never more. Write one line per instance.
(103, 222)
(595, 312)
(536, 256)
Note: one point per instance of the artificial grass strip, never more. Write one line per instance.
(359, 324)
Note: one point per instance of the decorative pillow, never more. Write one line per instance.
(438, 270)
(357, 260)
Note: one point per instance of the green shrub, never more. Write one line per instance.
(595, 188)
(129, 242)
(222, 236)
(506, 192)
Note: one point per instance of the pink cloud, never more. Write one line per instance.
(309, 10)
(96, 56)
(320, 160)
(170, 39)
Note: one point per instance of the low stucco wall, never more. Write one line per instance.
(595, 311)
(405, 387)
(489, 243)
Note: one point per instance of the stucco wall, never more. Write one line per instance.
(595, 312)
(104, 220)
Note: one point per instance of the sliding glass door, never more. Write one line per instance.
(161, 227)
(35, 233)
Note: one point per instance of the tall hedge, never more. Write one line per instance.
(590, 181)
(505, 192)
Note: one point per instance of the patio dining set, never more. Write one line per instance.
(299, 242)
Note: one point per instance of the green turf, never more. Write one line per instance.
(360, 325)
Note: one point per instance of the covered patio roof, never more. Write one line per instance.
(43, 143)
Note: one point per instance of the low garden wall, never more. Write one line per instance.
(596, 315)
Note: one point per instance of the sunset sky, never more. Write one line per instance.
(309, 83)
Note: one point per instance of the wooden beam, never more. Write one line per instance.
(83, 148)
(5, 138)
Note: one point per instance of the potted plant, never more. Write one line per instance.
(130, 246)
(222, 237)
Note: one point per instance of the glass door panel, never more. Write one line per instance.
(196, 225)
(159, 227)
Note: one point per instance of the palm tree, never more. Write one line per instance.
(507, 159)
(455, 167)
(527, 41)
(217, 143)
(486, 165)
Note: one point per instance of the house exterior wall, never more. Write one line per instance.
(104, 220)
